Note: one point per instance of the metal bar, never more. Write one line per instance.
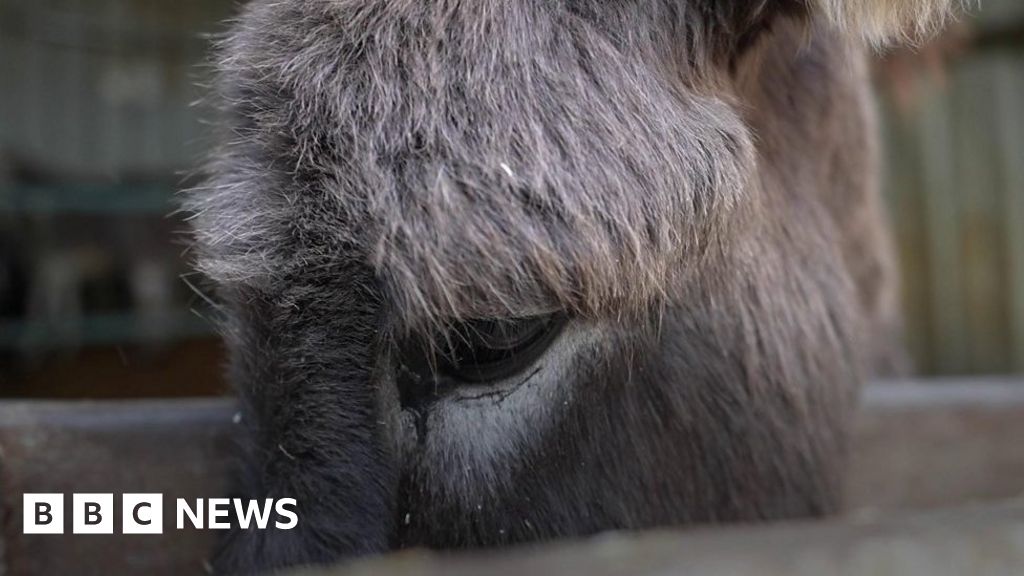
(93, 329)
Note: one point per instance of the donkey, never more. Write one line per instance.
(500, 271)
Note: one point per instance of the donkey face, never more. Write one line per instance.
(503, 271)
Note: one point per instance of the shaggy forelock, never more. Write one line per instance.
(485, 158)
(882, 21)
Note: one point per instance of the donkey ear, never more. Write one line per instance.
(883, 21)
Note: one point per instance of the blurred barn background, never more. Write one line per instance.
(97, 132)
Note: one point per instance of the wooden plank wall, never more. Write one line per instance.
(955, 181)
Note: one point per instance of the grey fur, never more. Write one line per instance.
(480, 178)
(690, 180)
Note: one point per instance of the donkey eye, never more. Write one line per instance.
(491, 349)
(472, 353)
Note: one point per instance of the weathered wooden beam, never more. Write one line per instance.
(937, 443)
(980, 541)
(916, 446)
(178, 448)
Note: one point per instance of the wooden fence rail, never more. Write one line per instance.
(916, 446)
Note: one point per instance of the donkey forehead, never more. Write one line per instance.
(501, 189)
(550, 163)
(552, 207)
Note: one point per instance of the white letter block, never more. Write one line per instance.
(43, 514)
(92, 514)
(142, 514)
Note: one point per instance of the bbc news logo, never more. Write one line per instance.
(144, 514)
